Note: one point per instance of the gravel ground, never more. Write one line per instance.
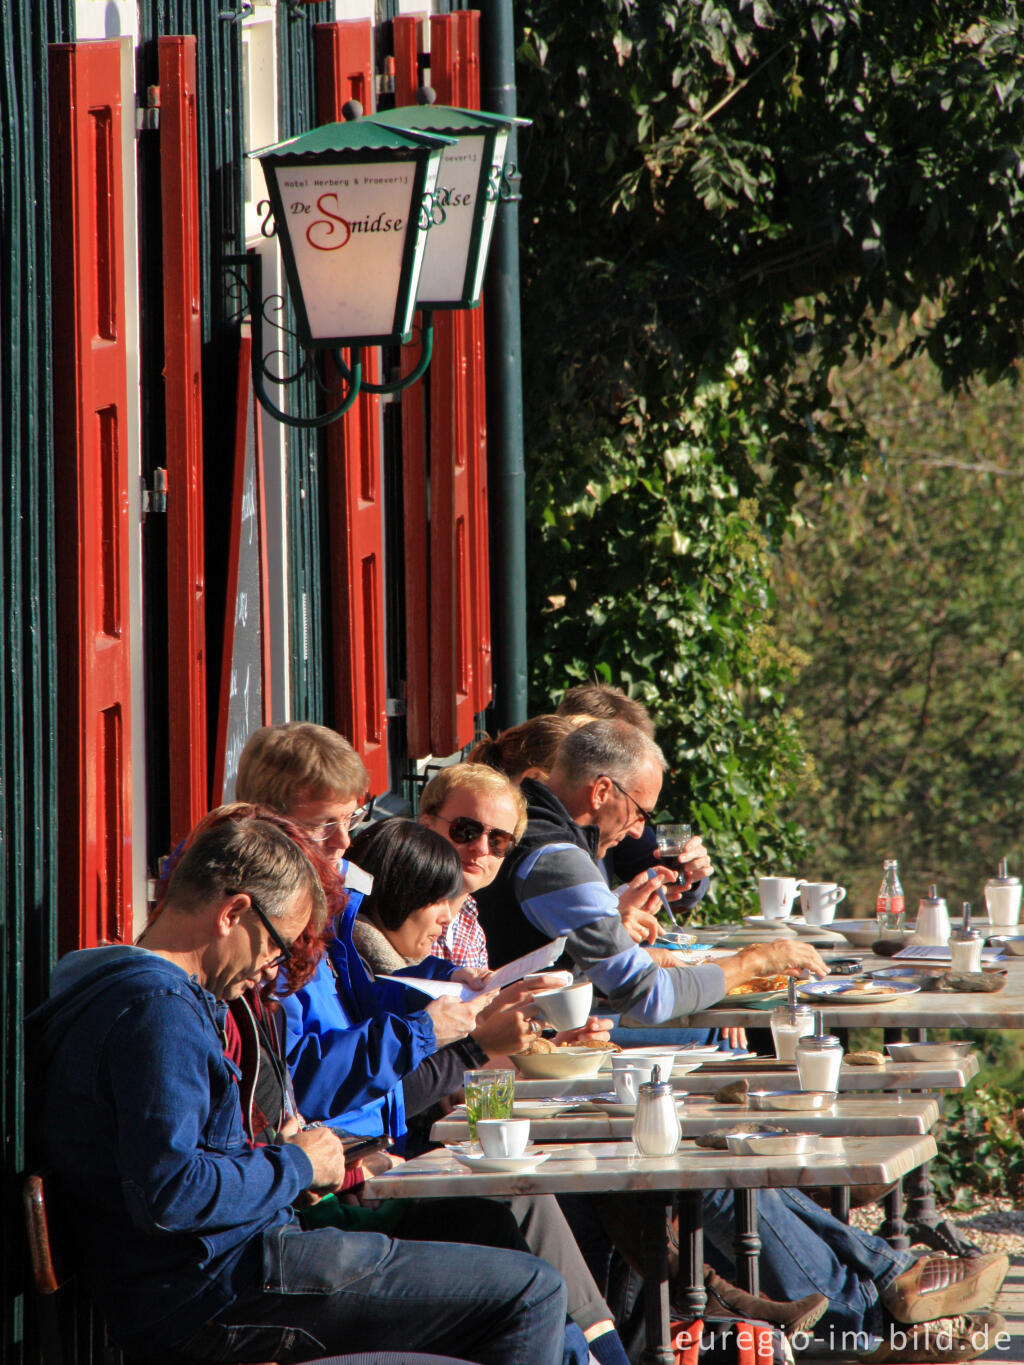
(993, 1224)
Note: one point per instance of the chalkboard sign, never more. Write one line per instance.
(245, 682)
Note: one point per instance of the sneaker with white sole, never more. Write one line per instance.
(939, 1286)
(946, 1341)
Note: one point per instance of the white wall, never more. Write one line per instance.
(106, 19)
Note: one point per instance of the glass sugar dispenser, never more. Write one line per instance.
(656, 1127)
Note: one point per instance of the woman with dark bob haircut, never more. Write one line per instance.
(417, 884)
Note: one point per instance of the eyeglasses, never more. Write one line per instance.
(322, 830)
(463, 830)
(648, 815)
(285, 954)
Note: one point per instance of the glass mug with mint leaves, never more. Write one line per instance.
(489, 1095)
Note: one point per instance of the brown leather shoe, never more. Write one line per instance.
(939, 1286)
(946, 1341)
(726, 1300)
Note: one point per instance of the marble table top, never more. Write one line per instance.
(926, 1009)
(865, 1115)
(772, 1075)
(607, 1167)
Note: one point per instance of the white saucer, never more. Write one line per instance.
(508, 1165)
(772, 921)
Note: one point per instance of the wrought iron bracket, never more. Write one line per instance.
(246, 273)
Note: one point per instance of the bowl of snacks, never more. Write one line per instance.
(544, 1060)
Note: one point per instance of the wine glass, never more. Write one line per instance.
(672, 839)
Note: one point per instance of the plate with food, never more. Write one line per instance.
(854, 992)
(544, 1060)
(760, 992)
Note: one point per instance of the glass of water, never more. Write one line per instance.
(489, 1095)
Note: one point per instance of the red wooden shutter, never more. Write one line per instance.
(468, 96)
(186, 587)
(344, 55)
(415, 547)
(90, 389)
(452, 660)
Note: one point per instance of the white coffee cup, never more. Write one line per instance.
(818, 901)
(566, 1008)
(503, 1137)
(629, 1073)
(776, 895)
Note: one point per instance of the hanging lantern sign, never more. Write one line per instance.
(466, 198)
(352, 205)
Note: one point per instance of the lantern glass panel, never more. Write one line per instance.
(349, 227)
(490, 210)
(449, 242)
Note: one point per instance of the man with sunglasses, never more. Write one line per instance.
(481, 814)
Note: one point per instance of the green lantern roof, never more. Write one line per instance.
(445, 118)
(359, 135)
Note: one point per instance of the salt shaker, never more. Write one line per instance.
(656, 1126)
(932, 920)
(818, 1059)
(965, 945)
(1002, 896)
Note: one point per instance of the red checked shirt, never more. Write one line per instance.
(464, 942)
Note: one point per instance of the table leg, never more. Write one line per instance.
(691, 1300)
(656, 1212)
(923, 1223)
(839, 1198)
(923, 1217)
(747, 1244)
(894, 1229)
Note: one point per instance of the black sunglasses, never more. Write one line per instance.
(285, 953)
(463, 830)
(648, 815)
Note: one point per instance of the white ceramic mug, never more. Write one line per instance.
(567, 1008)
(818, 901)
(629, 1073)
(776, 895)
(503, 1137)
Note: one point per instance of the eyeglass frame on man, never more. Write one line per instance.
(284, 949)
(647, 815)
(478, 828)
(321, 830)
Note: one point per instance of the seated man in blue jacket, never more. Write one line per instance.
(183, 1230)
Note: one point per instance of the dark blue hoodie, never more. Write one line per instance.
(135, 1109)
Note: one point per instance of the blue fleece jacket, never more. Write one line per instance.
(350, 1039)
(135, 1109)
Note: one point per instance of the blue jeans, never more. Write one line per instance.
(805, 1249)
(326, 1291)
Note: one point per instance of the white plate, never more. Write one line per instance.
(683, 1065)
(854, 992)
(763, 921)
(494, 1165)
(532, 1109)
(613, 1104)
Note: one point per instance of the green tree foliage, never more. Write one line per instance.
(904, 584)
(720, 201)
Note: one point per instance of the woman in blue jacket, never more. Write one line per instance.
(362, 1051)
